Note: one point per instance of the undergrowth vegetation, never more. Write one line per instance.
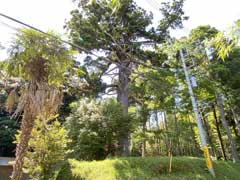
(150, 168)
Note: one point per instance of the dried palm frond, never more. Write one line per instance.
(43, 100)
(11, 100)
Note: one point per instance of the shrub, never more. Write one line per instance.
(47, 150)
(95, 128)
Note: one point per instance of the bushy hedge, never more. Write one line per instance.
(95, 128)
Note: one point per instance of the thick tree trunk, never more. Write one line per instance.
(226, 127)
(123, 99)
(219, 133)
(26, 129)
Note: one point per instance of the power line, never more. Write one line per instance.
(47, 34)
(156, 2)
(9, 26)
(50, 35)
(155, 5)
(75, 45)
(39, 30)
(24, 24)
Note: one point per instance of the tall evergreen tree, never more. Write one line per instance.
(119, 29)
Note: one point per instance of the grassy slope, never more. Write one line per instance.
(151, 168)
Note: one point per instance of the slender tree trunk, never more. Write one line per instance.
(219, 133)
(166, 134)
(226, 127)
(171, 156)
(156, 119)
(169, 140)
(144, 139)
(235, 130)
(236, 120)
(158, 128)
(165, 120)
(177, 134)
(26, 129)
(208, 137)
(145, 120)
(195, 144)
(123, 99)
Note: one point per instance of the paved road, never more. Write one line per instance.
(6, 168)
(5, 160)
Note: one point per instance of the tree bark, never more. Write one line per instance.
(226, 127)
(235, 131)
(143, 153)
(158, 128)
(123, 99)
(208, 137)
(26, 129)
(219, 133)
(166, 134)
(156, 119)
(195, 145)
(236, 120)
(177, 140)
(144, 129)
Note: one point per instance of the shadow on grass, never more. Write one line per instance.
(157, 168)
(65, 172)
(150, 168)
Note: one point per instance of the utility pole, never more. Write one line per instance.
(197, 117)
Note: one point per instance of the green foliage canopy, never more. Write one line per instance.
(27, 51)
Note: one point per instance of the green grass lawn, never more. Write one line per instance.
(150, 168)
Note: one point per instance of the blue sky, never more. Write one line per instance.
(51, 14)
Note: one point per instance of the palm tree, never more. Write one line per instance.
(41, 61)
